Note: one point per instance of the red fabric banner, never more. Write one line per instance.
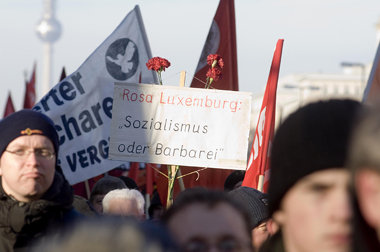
(9, 108)
(221, 40)
(134, 170)
(257, 173)
(30, 91)
(150, 178)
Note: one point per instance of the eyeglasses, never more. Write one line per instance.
(40, 152)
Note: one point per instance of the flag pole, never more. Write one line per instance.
(260, 185)
(182, 80)
(87, 187)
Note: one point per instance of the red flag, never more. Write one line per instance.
(257, 173)
(150, 177)
(63, 74)
(9, 108)
(372, 90)
(134, 170)
(30, 90)
(221, 40)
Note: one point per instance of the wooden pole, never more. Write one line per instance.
(173, 170)
(87, 186)
(260, 185)
(182, 80)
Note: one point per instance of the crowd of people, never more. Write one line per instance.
(323, 194)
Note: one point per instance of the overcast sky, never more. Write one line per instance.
(318, 34)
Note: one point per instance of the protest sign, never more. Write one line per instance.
(180, 126)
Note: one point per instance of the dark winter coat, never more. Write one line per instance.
(22, 224)
(273, 244)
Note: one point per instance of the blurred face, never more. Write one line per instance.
(97, 203)
(367, 185)
(157, 213)
(198, 228)
(315, 213)
(259, 235)
(27, 177)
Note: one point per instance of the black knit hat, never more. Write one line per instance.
(313, 138)
(255, 202)
(26, 122)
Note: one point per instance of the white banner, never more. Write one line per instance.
(180, 126)
(81, 104)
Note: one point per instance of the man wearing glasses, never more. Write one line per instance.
(35, 198)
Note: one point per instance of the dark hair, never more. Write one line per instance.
(209, 198)
(365, 141)
(106, 184)
(155, 203)
(129, 182)
(233, 179)
(364, 237)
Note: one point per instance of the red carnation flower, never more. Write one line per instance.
(214, 73)
(164, 63)
(214, 60)
(158, 64)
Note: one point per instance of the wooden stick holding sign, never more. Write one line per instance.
(174, 170)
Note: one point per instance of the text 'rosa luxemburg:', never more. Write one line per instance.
(182, 100)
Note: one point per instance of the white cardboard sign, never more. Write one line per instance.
(180, 126)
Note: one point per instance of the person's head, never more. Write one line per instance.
(200, 219)
(156, 209)
(256, 204)
(364, 161)
(234, 180)
(124, 202)
(110, 234)
(28, 149)
(309, 184)
(101, 188)
(129, 182)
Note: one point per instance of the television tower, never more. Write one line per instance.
(49, 30)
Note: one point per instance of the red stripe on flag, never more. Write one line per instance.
(257, 172)
(149, 177)
(134, 170)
